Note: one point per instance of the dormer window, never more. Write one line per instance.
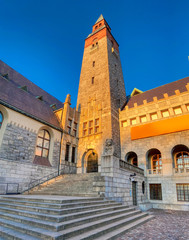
(25, 88)
(40, 98)
(6, 76)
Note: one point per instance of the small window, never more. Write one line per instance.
(1, 119)
(90, 131)
(133, 121)
(143, 119)
(92, 80)
(96, 27)
(187, 107)
(96, 43)
(84, 128)
(177, 110)
(153, 116)
(96, 129)
(73, 154)
(182, 192)
(67, 152)
(69, 130)
(155, 192)
(75, 125)
(165, 113)
(90, 123)
(100, 24)
(97, 121)
(93, 63)
(124, 123)
(69, 122)
(74, 132)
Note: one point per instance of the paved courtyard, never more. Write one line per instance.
(167, 224)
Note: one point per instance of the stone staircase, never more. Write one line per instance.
(71, 185)
(56, 217)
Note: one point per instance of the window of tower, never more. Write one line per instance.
(100, 24)
(96, 27)
(93, 63)
(92, 80)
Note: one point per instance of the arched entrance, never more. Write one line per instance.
(92, 162)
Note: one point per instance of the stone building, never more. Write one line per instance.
(138, 143)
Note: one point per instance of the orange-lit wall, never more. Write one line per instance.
(160, 127)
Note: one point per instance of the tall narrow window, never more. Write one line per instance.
(84, 128)
(93, 63)
(97, 125)
(43, 144)
(69, 126)
(1, 119)
(92, 80)
(73, 155)
(67, 152)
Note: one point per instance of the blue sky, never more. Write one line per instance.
(44, 40)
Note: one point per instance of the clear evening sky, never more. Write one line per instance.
(44, 40)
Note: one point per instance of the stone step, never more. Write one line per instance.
(64, 194)
(54, 205)
(46, 199)
(112, 231)
(57, 211)
(7, 233)
(53, 226)
(60, 218)
(116, 221)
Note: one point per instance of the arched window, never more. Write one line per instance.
(182, 160)
(43, 144)
(180, 154)
(154, 161)
(1, 119)
(131, 158)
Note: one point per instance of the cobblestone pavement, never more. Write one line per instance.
(167, 225)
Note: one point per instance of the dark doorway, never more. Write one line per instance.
(134, 193)
(92, 163)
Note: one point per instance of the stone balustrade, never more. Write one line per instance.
(128, 166)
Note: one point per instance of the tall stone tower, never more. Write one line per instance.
(101, 95)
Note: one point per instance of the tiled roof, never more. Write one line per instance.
(24, 101)
(158, 92)
(19, 80)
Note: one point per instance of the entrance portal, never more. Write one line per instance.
(92, 163)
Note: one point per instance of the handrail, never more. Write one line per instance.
(39, 181)
(8, 191)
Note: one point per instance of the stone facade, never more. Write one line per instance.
(103, 131)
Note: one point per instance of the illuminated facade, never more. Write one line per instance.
(139, 143)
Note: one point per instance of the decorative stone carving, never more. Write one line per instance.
(109, 147)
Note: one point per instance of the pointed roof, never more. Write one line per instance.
(99, 19)
(136, 91)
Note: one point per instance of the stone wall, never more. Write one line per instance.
(18, 143)
(118, 182)
(22, 173)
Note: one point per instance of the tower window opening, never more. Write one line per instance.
(96, 43)
(100, 24)
(92, 80)
(96, 27)
(93, 63)
(93, 45)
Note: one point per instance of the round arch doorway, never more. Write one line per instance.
(92, 162)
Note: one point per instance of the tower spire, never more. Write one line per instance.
(99, 19)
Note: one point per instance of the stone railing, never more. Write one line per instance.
(181, 170)
(154, 171)
(130, 167)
